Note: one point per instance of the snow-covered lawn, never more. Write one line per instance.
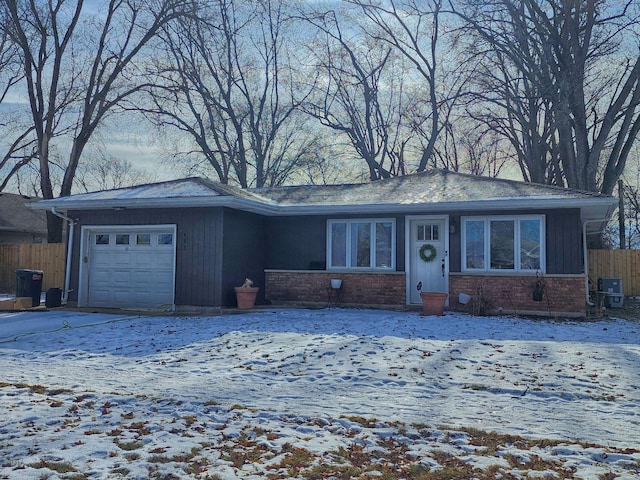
(283, 393)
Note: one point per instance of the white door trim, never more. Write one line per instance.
(83, 271)
(407, 250)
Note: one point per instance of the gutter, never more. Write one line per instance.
(586, 254)
(280, 209)
(67, 273)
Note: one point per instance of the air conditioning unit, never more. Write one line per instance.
(612, 288)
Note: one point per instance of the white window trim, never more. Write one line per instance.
(517, 246)
(372, 247)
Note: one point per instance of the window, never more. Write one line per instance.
(338, 243)
(102, 239)
(428, 232)
(122, 239)
(143, 239)
(530, 244)
(362, 244)
(165, 239)
(503, 243)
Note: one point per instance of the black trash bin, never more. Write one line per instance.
(29, 284)
(53, 298)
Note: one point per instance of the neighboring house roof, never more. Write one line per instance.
(432, 191)
(16, 217)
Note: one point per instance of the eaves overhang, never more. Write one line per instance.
(596, 207)
(602, 204)
(69, 204)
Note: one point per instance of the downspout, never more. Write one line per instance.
(586, 255)
(67, 273)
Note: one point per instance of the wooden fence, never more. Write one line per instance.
(624, 264)
(48, 257)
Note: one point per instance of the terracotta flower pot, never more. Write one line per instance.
(246, 297)
(433, 302)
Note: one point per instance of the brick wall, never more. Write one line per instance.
(371, 288)
(562, 294)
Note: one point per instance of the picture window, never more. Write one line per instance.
(361, 244)
(503, 244)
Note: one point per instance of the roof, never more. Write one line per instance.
(436, 191)
(193, 187)
(427, 188)
(16, 217)
(186, 192)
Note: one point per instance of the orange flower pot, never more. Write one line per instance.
(246, 297)
(433, 303)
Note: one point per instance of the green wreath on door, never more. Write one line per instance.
(427, 253)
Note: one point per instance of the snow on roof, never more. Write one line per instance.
(434, 190)
(186, 187)
(430, 187)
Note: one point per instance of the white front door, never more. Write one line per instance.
(429, 236)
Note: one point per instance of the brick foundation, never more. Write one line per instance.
(311, 286)
(563, 294)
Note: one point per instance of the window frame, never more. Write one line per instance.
(517, 247)
(373, 222)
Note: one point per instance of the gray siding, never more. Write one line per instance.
(563, 242)
(455, 246)
(198, 264)
(199, 232)
(300, 243)
(296, 243)
(217, 248)
(243, 253)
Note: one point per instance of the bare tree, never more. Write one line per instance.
(629, 189)
(511, 105)
(483, 152)
(76, 76)
(19, 149)
(569, 84)
(347, 97)
(227, 83)
(101, 171)
(412, 28)
(632, 216)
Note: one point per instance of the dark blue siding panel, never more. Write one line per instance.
(300, 243)
(564, 242)
(297, 243)
(217, 248)
(455, 246)
(243, 253)
(198, 232)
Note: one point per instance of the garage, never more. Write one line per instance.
(128, 267)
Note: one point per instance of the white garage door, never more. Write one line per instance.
(131, 268)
